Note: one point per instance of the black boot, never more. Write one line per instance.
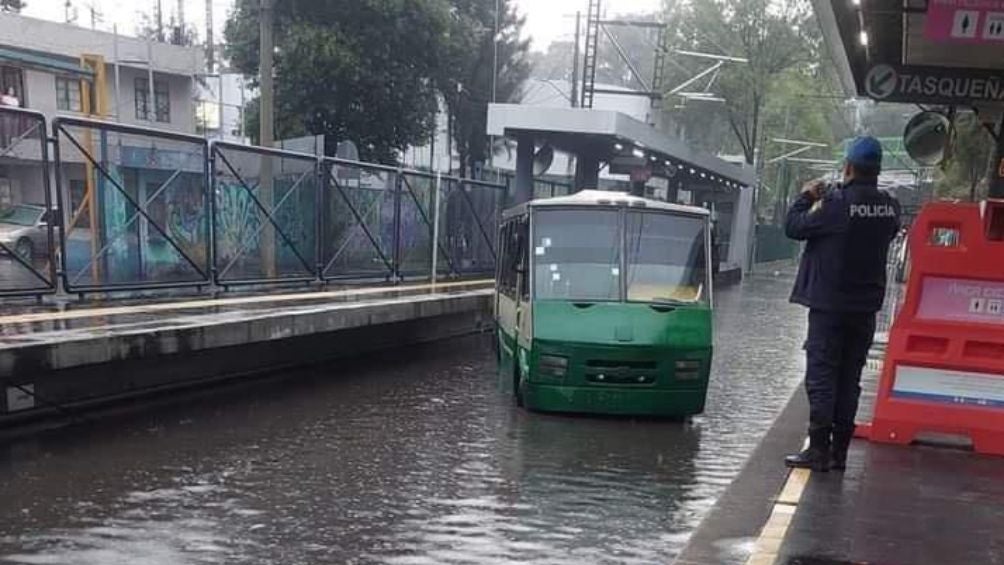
(817, 456)
(838, 452)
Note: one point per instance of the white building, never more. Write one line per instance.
(220, 108)
(65, 70)
(42, 61)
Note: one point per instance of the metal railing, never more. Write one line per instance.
(27, 233)
(265, 215)
(397, 214)
(135, 203)
(360, 220)
(136, 209)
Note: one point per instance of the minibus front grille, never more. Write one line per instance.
(618, 364)
(620, 372)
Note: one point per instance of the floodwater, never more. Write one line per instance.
(411, 457)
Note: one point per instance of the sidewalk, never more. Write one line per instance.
(893, 505)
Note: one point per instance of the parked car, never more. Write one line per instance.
(24, 229)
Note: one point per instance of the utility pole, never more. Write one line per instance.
(495, 54)
(266, 131)
(267, 128)
(495, 79)
(160, 21)
(210, 48)
(575, 60)
(95, 15)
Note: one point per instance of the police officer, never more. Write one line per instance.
(841, 279)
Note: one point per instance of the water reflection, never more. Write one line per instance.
(417, 458)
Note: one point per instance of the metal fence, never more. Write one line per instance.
(135, 203)
(897, 270)
(264, 215)
(382, 221)
(136, 208)
(773, 245)
(27, 233)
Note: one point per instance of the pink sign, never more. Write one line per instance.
(965, 21)
(961, 300)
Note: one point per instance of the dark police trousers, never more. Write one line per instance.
(836, 352)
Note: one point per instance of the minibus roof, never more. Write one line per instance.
(607, 198)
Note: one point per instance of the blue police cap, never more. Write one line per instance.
(865, 151)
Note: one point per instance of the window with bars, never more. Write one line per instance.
(68, 96)
(161, 100)
(12, 79)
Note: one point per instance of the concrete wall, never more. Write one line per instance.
(40, 95)
(742, 230)
(108, 365)
(182, 96)
(26, 183)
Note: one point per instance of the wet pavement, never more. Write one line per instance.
(411, 457)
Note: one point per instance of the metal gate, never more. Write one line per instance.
(265, 215)
(27, 219)
(136, 204)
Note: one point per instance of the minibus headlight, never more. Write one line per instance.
(553, 365)
(687, 369)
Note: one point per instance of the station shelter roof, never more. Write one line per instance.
(614, 137)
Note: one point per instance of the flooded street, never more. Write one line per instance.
(410, 457)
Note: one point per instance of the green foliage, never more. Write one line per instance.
(372, 71)
(965, 171)
(555, 63)
(467, 66)
(172, 32)
(774, 36)
(363, 70)
(638, 43)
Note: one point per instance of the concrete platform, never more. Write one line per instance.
(893, 505)
(59, 361)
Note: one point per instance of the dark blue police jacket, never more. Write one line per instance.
(847, 235)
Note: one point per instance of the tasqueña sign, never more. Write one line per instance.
(939, 86)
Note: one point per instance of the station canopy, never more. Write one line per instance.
(932, 52)
(620, 141)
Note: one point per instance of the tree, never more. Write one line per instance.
(363, 70)
(799, 108)
(173, 33)
(968, 163)
(773, 36)
(555, 63)
(14, 6)
(638, 43)
(468, 79)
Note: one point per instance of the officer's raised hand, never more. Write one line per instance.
(814, 189)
